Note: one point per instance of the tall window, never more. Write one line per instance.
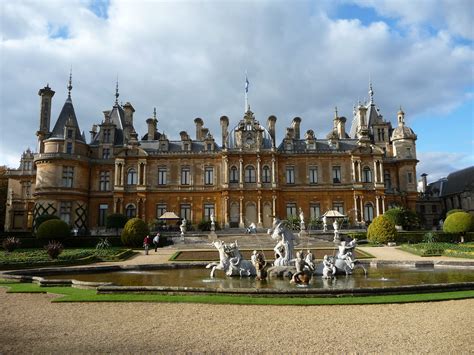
(130, 211)
(266, 174)
(366, 174)
(185, 176)
(106, 135)
(387, 180)
(250, 174)
(336, 174)
(314, 210)
(290, 175)
(105, 153)
(69, 147)
(338, 206)
(160, 209)
(209, 176)
(68, 176)
(369, 212)
(65, 211)
(132, 177)
(185, 211)
(290, 209)
(162, 176)
(69, 133)
(313, 175)
(208, 210)
(410, 177)
(234, 175)
(104, 182)
(103, 214)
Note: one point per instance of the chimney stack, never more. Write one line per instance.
(129, 110)
(271, 122)
(341, 127)
(424, 182)
(199, 123)
(224, 129)
(151, 123)
(295, 124)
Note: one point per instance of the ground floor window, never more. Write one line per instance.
(103, 214)
(131, 211)
(338, 206)
(65, 211)
(208, 211)
(314, 211)
(185, 211)
(369, 212)
(290, 209)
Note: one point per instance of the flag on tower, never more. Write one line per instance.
(246, 84)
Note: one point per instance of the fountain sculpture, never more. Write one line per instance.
(231, 261)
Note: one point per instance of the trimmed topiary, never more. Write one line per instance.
(459, 222)
(381, 230)
(406, 218)
(395, 215)
(134, 231)
(43, 218)
(450, 212)
(54, 229)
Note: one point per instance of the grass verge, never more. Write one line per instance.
(70, 294)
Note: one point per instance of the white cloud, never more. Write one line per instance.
(440, 164)
(189, 59)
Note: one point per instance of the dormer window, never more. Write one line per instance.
(70, 133)
(186, 147)
(289, 146)
(69, 148)
(106, 135)
(209, 147)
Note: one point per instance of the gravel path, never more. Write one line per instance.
(30, 323)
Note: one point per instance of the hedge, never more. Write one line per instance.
(54, 229)
(459, 222)
(381, 230)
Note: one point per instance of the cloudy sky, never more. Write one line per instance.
(188, 59)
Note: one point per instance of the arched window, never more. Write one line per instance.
(250, 174)
(131, 211)
(234, 174)
(368, 212)
(132, 177)
(366, 175)
(266, 174)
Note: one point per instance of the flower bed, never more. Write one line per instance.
(438, 249)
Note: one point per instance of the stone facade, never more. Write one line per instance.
(247, 178)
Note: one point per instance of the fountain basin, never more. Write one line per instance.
(192, 278)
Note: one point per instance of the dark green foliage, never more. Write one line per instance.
(10, 244)
(437, 249)
(459, 222)
(293, 223)
(400, 216)
(381, 230)
(134, 231)
(43, 218)
(115, 220)
(429, 237)
(204, 225)
(315, 223)
(453, 211)
(54, 248)
(54, 229)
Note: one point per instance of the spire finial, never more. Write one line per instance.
(371, 92)
(69, 87)
(335, 112)
(154, 113)
(116, 92)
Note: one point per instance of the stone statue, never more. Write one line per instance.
(302, 224)
(329, 269)
(325, 225)
(182, 227)
(300, 277)
(309, 259)
(259, 262)
(346, 254)
(335, 225)
(213, 222)
(238, 265)
(223, 263)
(284, 247)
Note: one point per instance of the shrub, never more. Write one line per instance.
(53, 249)
(115, 221)
(134, 231)
(103, 244)
(458, 222)
(429, 237)
(43, 218)
(395, 215)
(314, 223)
(204, 225)
(453, 211)
(10, 244)
(53, 229)
(381, 230)
(293, 223)
(400, 216)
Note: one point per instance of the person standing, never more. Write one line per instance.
(146, 244)
(156, 241)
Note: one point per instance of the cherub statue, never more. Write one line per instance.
(300, 277)
(329, 269)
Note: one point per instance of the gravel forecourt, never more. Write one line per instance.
(30, 323)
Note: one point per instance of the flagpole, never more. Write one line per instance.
(246, 92)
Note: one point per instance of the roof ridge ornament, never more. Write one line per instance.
(69, 87)
(116, 92)
(371, 93)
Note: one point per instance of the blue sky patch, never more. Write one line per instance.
(100, 8)
(58, 31)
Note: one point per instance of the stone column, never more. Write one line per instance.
(241, 221)
(241, 172)
(259, 173)
(144, 174)
(226, 212)
(274, 206)
(356, 210)
(362, 217)
(381, 171)
(354, 172)
(273, 171)
(259, 212)
(226, 170)
(375, 172)
(377, 207)
(383, 204)
(360, 169)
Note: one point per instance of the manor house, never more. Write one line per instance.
(241, 174)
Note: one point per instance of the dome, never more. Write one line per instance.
(403, 132)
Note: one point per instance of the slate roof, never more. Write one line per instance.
(67, 113)
(459, 181)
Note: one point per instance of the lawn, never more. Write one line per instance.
(465, 250)
(70, 294)
(21, 258)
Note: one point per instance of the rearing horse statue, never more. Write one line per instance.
(224, 257)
